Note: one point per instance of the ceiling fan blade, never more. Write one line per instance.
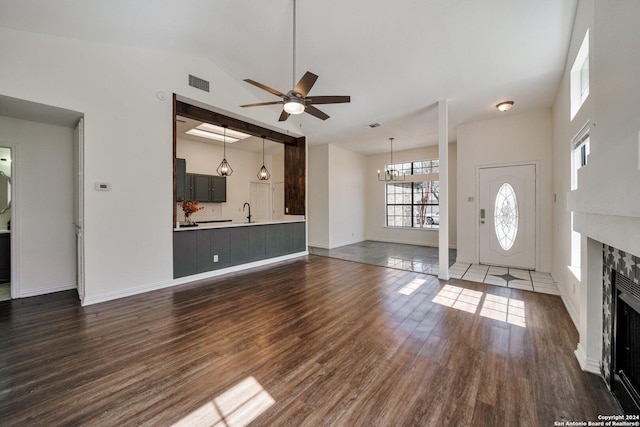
(283, 116)
(305, 84)
(315, 112)
(267, 88)
(258, 104)
(329, 99)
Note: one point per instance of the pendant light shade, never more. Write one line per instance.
(263, 173)
(390, 173)
(224, 169)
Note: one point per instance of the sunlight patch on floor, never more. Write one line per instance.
(409, 288)
(504, 309)
(236, 407)
(494, 307)
(458, 298)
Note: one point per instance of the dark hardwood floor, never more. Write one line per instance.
(313, 341)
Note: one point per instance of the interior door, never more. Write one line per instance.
(260, 200)
(508, 216)
(278, 200)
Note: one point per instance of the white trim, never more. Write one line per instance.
(570, 308)
(44, 291)
(586, 364)
(108, 296)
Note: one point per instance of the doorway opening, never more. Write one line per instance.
(5, 223)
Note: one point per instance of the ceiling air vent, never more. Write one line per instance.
(198, 83)
(374, 125)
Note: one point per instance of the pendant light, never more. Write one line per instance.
(391, 174)
(225, 168)
(263, 173)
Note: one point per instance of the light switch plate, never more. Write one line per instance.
(103, 186)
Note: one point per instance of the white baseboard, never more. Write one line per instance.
(587, 365)
(570, 308)
(109, 296)
(404, 242)
(44, 291)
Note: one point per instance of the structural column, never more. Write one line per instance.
(443, 155)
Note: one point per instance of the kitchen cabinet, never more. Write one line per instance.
(196, 249)
(206, 188)
(184, 254)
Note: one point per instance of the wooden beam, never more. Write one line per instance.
(208, 116)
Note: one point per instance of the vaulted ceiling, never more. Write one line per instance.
(395, 59)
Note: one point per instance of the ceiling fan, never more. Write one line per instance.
(296, 101)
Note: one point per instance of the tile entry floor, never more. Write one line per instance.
(507, 277)
(424, 259)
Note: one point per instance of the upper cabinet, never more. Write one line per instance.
(207, 188)
(200, 187)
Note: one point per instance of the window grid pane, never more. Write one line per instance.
(413, 204)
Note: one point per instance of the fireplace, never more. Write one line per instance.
(621, 350)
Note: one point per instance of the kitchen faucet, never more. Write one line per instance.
(244, 206)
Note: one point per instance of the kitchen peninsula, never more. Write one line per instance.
(230, 243)
(214, 246)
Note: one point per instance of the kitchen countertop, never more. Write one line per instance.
(228, 224)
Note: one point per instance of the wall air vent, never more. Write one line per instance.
(374, 125)
(198, 83)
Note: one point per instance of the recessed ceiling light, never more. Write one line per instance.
(210, 135)
(504, 106)
(220, 131)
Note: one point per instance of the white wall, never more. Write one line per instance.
(375, 214)
(42, 221)
(510, 138)
(608, 185)
(204, 158)
(337, 196)
(564, 129)
(128, 143)
(318, 196)
(606, 204)
(347, 196)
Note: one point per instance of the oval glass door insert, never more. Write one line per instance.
(506, 216)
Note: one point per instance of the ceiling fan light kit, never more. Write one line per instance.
(294, 106)
(295, 101)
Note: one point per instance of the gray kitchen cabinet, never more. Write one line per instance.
(194, 250)
(239, 245)
(184, 254)
(218, 189)
(207, 188)
(220, 240)
(257, 243)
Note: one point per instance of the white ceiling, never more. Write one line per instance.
(395, 59)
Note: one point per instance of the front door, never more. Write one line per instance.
(508, 216)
